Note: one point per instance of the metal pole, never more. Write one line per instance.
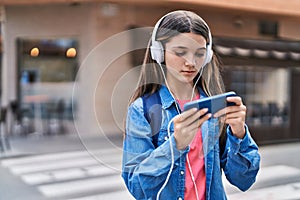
(2, 148)
(4, 143)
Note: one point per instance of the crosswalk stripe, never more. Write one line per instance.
(48, 165)
(266, 174)
(67, 174)
(282, 192)
(97, 173)
(102, 184)
(124, 195)
(70, 173)
(58, 156)
(276, 172)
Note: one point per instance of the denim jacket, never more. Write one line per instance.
(145, 166)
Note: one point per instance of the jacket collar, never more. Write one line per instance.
(166, 98)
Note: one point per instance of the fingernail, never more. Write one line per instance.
(194, 109)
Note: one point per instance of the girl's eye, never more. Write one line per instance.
(179, 53)
(199, 55)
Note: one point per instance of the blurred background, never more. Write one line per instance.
(68, 68)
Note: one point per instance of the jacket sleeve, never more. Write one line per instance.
(240, 160)
(144, 167)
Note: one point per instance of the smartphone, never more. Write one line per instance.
(213, 103)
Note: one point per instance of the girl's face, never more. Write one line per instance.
(184, 56)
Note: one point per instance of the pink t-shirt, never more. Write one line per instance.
(196, 159)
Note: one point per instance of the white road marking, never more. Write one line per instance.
(282, 192)
(75, 187)
(65, 162)
(67, 174)
(58, 156)
(124, 195)
(266, 174)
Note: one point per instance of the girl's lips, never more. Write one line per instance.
(188, 72)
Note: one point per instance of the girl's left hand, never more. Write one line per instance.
(235, 116)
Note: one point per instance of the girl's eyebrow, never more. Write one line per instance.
(179, 47)
(183, 47)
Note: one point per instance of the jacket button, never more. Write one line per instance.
(179, 198)
(181, 172)
(166, 138)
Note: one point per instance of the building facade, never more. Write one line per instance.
(75, 61)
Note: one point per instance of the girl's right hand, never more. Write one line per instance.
(186, 126)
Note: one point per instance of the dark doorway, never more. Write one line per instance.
(295, 104)
(266, 74)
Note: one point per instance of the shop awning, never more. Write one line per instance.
(262, 49)
(274, 7)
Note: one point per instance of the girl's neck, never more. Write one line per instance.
(183, 91)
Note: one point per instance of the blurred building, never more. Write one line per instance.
(56, 64)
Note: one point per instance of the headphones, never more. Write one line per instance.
(157, 54)
(157, 50)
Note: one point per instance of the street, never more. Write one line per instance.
(86, 168)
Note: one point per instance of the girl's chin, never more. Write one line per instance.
(183, 78)
(187, 80)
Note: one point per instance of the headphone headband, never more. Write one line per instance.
(157, 50)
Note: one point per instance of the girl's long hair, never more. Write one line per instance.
(151, 77)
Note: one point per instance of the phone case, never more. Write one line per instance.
(213, 103)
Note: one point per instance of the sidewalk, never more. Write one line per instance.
(38, 144)
(25, 147)
(281, 154)
(279, 175)
(276, 154)
(278, 179)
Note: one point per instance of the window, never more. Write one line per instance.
(139, 38)
(268, 28)
(265, 91)
(47, 70)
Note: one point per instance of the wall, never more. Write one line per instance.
(43, 22)
(106, 78)
(51, 21)
(103, 59)
(289, 28)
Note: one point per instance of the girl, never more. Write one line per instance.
(182, 157)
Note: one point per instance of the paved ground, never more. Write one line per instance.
(86, 168)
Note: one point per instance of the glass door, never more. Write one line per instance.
(266, 93)
(47, 69)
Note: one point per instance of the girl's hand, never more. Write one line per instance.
(186, 125)
(235, 116)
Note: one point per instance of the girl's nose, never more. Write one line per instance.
(190, 61)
